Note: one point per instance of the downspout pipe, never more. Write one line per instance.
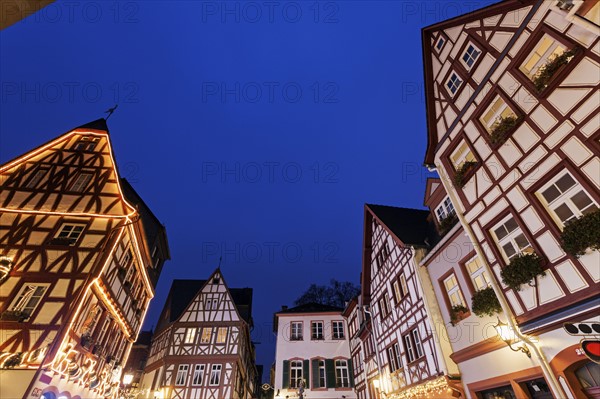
(544, 364)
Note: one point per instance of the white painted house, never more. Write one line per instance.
(312, 353)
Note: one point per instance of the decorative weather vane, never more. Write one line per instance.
(110, 111)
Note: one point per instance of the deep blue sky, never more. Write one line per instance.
(255, 131)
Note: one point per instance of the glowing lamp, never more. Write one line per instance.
(508, 335)
(158, 394)
(127, 379)
(376, 383)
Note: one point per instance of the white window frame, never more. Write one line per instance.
(316, 330)
(445, 209)
(322, 374)
(565, 199)
(296, 373)
(29, 297)
(181, 377)
(190, 335)
(198, 378)
(337, 327)
(472, 57)
(554, 49)
(81, 182)
(461, 154)
(221, 335)
(342, 375)
(418, 344)
(71, 232)
(511, 238)
(206, 333)
(479, 277)
(496, 111)
(296, 333)
(215, 375)
(453, 291)
(453, 83)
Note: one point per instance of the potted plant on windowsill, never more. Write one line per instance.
(462, 174)
(457, 313)
(485, 302)
(522, 269)
(13, 361)
(544, 76)
(14, 315)
(582, 234)
(502, 129)
(86, 340)
(447, 223)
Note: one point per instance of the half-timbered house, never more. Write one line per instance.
(312, 354)
(77, 268)
(405, 353)
(201, 347)
(513, 129)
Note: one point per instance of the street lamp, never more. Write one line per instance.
(127, 379)
(507, 335)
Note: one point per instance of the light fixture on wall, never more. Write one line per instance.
(5, 267)
(507, 335)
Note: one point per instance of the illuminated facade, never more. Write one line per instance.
(395, 323)
(201, 347)
(82, 254)
(513, 130)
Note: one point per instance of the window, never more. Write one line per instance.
(37, 177)
(206, 335)
(181, 374)
(453, 291)
(81, 182)
(470, 56)
(479, 276)
(400, 288)
(342, 377)
(316, 330)
(384, 306)
(453, 83)
(461, 155)
(215, 374)
(296, 331)
(222, 335)
(86, 143)
(413, 346)
(198, 374)
(70, 232)
(494, 114)
(338, 329)
(322, 378)
(545, 50)
(29, 298)
(394, 360)
(295, 373)
(510, 239)
(445, 209)
(440, 43)
(566, 199)
(190, 335)
(211, 303)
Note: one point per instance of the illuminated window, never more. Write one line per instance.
(342, 377)
(37, 177)
(295, 373)
(566, 199)
(479, 276)
(316, 330)
(81, 182)
(338, 329)
(222, 335)
(296, 331)
(453, 291)
(198, 374)
(510, 239)
(462, 154)
(190, 335)
(413, 346)
(181, 374)
(70, 232)
(495, 113)
(453, 83)
(445, 209)
(215, 374)
(545, 50)
(206, 335)
(470, 55)
(86, 143)
(29, 298)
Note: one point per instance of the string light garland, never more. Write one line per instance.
(434, 389)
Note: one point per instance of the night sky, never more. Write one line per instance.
(255, 130)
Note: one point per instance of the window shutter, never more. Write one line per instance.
(330, 373)
(286, 374)
(351, 373)
(306, 373)
(315, 373)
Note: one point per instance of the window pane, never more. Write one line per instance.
(521, 241)
(565, 182)
(511, 225)
(509, 250)
(501, 232)
(581, 200)
(563, 212)
(551, 193)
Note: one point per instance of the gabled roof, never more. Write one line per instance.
(409, 225)
(312, 307)
(98, 124)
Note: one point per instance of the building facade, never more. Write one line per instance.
(395, 322)
(312, 353)
(513, 130)
(201, 346)
(78, 269)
